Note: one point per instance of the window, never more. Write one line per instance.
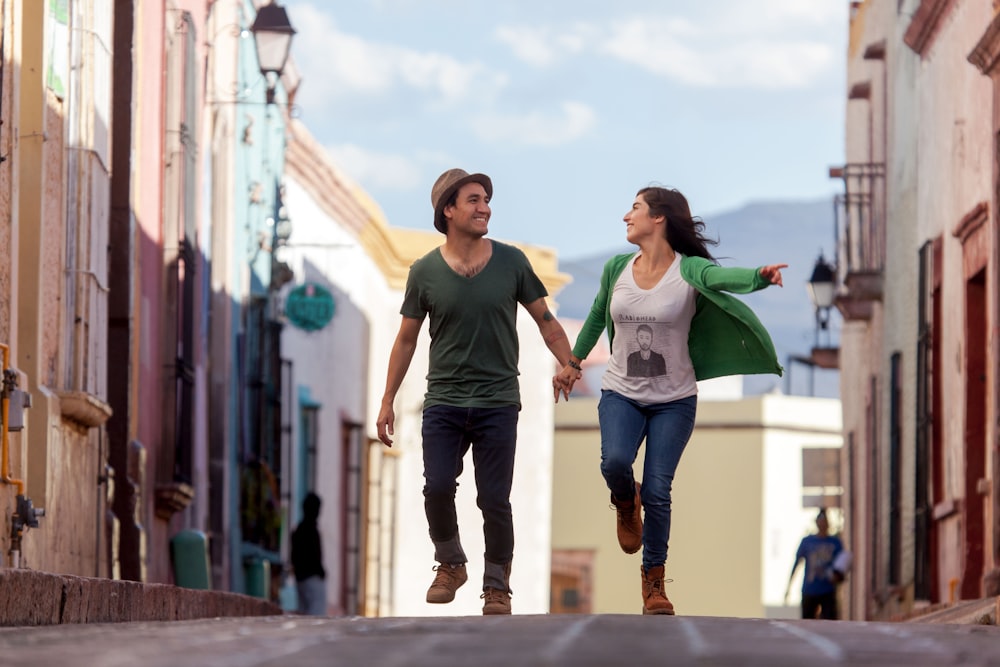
(180, 243)
(895, 482)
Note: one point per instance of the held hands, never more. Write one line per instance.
(772, 273)
(562, 382)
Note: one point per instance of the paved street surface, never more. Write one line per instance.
(613, 640)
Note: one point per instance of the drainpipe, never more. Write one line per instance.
(25, 515)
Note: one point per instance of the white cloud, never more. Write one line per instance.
(451, 80)
(542, 47)
(768, 65)
(336, 64)
(785, 16)
(721, 43)
(377, 170)
(738, 62)
(536, 128)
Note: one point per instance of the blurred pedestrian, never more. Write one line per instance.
(826, 565)
(307, 559)
(671, 291)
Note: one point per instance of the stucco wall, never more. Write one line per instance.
(932, 127)
(332, 363)
(737, 510)
(955, 154)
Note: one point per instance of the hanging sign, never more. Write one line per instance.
(309, 307)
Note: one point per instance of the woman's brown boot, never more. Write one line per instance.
(629, 522)
(654, 599)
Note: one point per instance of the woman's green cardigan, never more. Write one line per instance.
(726, 337)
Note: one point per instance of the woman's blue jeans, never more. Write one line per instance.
(666, 428)
(448, 432)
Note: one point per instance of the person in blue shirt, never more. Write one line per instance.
(819, 583)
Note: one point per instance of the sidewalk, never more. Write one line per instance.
(964, 612)
(40, 598)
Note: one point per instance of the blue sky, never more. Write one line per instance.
(571, 106)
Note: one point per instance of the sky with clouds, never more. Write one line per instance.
(573, 105)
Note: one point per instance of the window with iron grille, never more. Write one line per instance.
(180, 242)
(923, 503)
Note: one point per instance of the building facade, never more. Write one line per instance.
(123, 127)
(54, 209)
(917, 287)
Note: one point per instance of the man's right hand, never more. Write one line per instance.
(386, 419)
(562, 382)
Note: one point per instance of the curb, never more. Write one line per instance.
(40, 598)
(964, 612)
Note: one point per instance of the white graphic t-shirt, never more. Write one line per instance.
(649, 355)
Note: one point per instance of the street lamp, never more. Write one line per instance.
(272, 35)
(821, 289)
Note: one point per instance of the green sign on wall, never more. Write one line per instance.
(309, 307)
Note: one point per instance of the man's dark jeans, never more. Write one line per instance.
(448, 432)
(820, 606)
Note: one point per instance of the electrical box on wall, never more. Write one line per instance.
(17, 400)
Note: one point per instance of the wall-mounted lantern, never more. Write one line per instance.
(822, 288)
(272, 33)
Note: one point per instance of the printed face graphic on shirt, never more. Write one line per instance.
(644, 336)
(645, 361)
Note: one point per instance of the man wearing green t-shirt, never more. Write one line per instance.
(469, 289)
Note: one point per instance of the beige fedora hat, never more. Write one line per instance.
(448, 184)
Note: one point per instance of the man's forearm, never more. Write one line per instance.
(399, 363)
(557, 341)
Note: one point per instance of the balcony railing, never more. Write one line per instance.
(860, 236)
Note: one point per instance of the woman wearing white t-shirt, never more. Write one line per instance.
(671, 323)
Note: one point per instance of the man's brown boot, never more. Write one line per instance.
(495, 602)
(654, 599)
(496, 589)
(449, 579)
(629, 522)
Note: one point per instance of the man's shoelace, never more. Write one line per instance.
(494, 595)
(445, 574)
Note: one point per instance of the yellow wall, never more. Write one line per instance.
(714, 556)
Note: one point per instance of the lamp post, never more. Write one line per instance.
(264, 474)
(272, 35)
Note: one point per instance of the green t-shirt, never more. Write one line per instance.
(473, 326)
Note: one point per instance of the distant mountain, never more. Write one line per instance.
(793, 233)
